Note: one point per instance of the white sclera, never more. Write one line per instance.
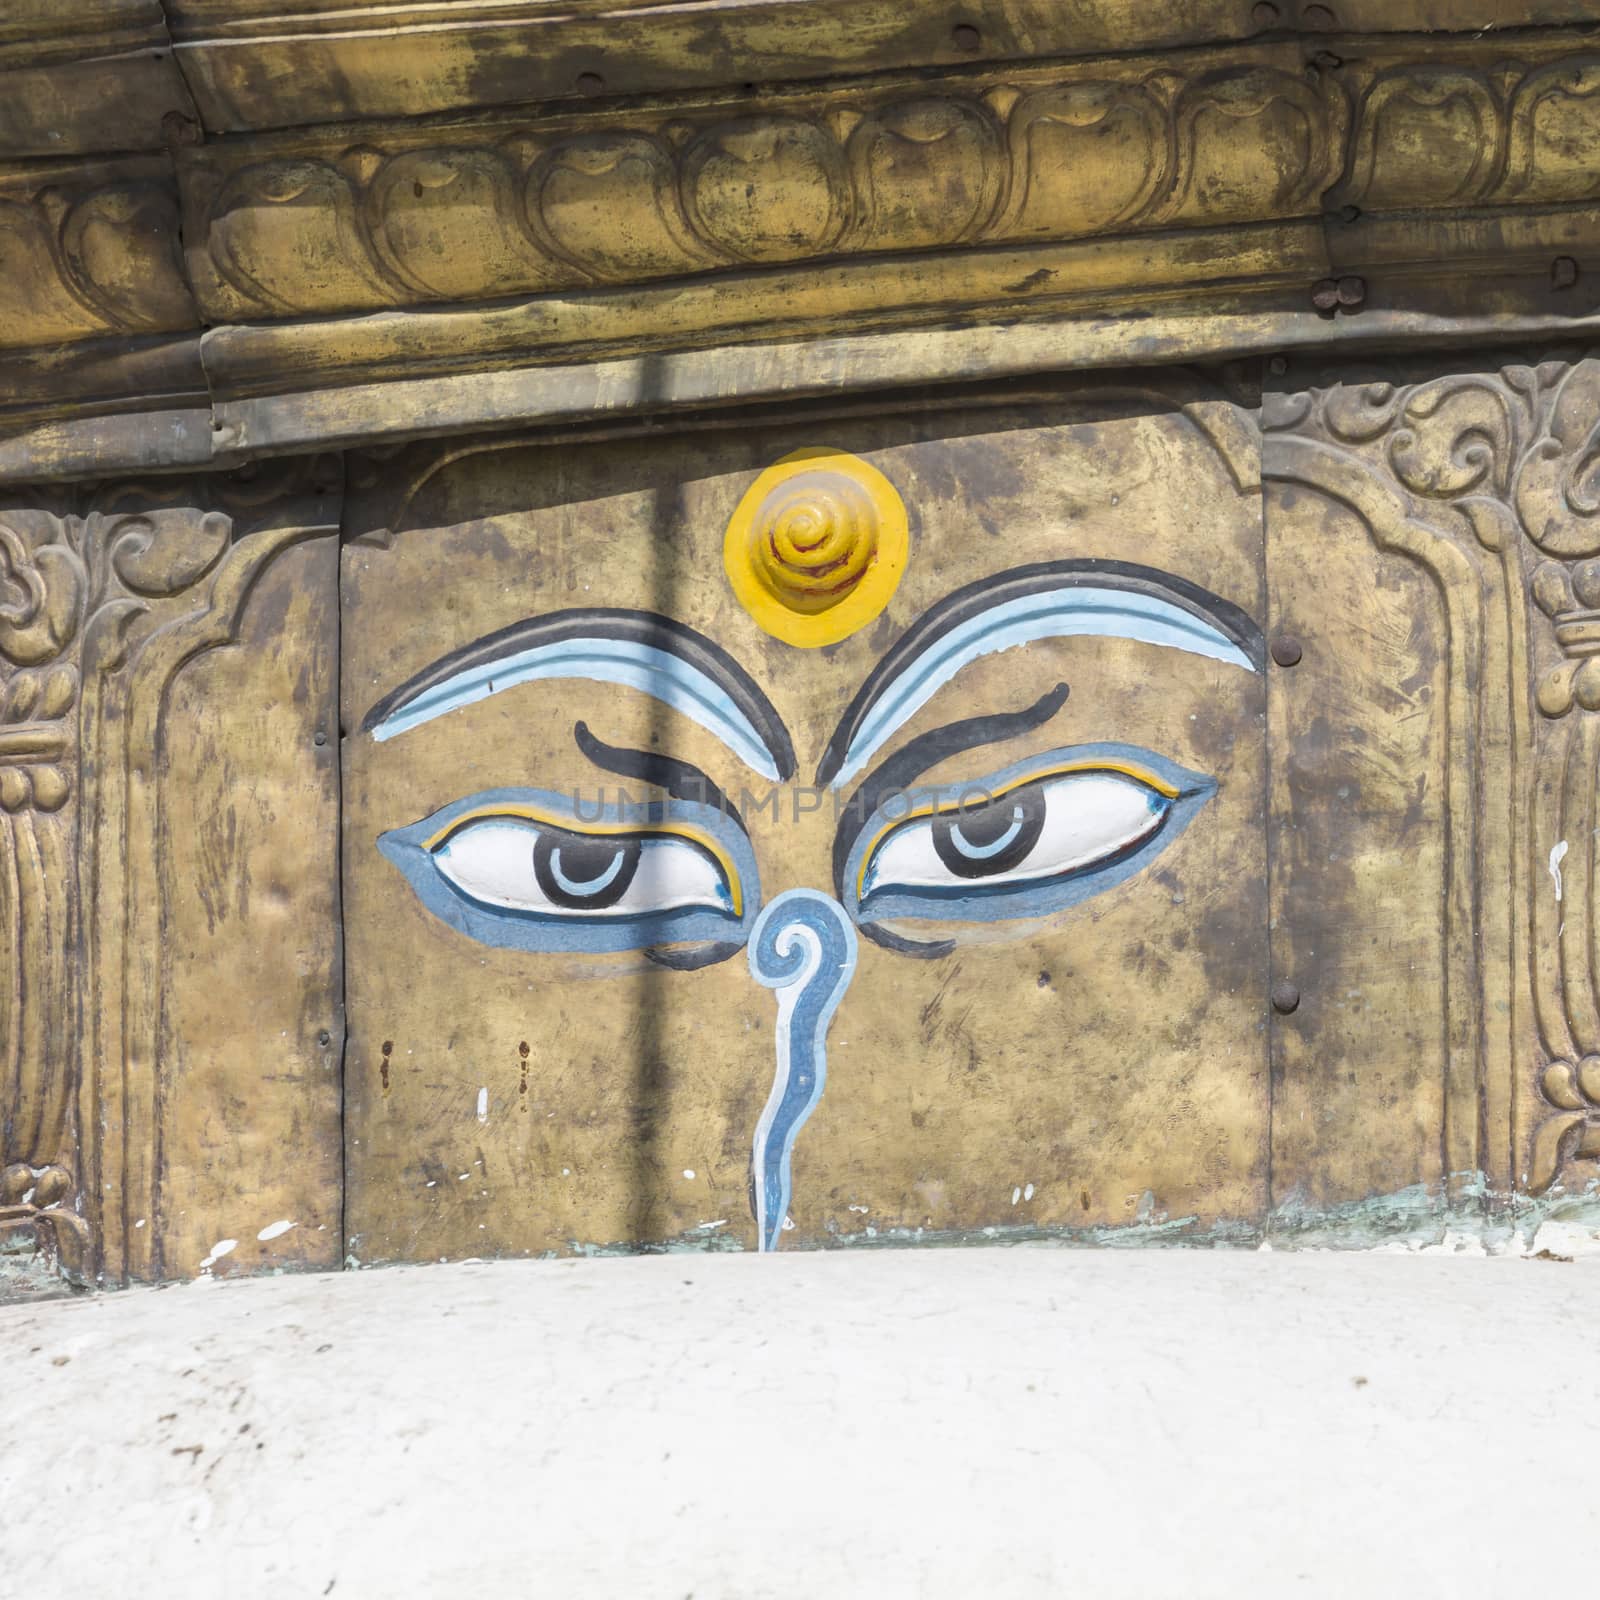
(1088, 817)
(492, 861)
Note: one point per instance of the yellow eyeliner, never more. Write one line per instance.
(1126, 768)
(677, 830)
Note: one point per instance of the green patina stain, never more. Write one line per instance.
(696, 1242)
(1465, 1216)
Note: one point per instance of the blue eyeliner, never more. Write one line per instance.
(1098, 610)
(420, 851)
(663, 675)
(1173, 795)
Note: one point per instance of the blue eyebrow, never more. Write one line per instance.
(1048, 601)
(638, 650)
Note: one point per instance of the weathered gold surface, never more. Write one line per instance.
(1476, 481)
(608, 308)
(326, 220)
(252, 1000)
(771, 378)
(253, 65)
(169, 893)
(1108, 1070)
(1103, 163)
(1358, 858)
(91, 248)
(77, 76)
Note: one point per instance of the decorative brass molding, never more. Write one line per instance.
(355, 219)
(1315, 174)
(105, 595)
(326, 221)
(1490, 482)
(91, 248)
(294, 228)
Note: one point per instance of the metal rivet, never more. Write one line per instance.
(1349, 213)
(966, 37)
(1563, 272)
(1352, 291)
(1285, 998)
(324, 1038)
(319, 738)
(1286, 650)
(1265, 14)
(590, 83)
(1277, 366)
(181, 130)
(1325, 294)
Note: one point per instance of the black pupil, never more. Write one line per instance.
(982, 841)
(580, 872)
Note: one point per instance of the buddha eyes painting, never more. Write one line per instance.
(817, 824)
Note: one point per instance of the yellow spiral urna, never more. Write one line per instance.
(816, 546)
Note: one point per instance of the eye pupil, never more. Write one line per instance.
(984, 828)
(583, 873)
(982, 841)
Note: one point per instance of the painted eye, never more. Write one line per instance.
(1041, 829)
(1025, 843)
(522, 865)
(520, 870)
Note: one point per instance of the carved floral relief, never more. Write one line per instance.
(104, 597)
(1489, 479)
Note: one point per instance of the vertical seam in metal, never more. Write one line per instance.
(338, 862)
(1268, 815)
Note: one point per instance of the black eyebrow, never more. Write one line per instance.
(607, 622)
(968, 602)
(681, 779)
(691, 958)
(904, 766)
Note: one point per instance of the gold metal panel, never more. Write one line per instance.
(78, 76)
(586, 1022)
(252, 1026)
(1359, 874)
(1063, 1069)
(330, 59)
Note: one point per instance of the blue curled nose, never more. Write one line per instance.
(803, 947)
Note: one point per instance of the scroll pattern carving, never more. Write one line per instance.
(90, 251)
(100, 605)
(610, 203)
(71, 586)
(308, 223)
(615, 198)
(1499, 136)
(1494, 481)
